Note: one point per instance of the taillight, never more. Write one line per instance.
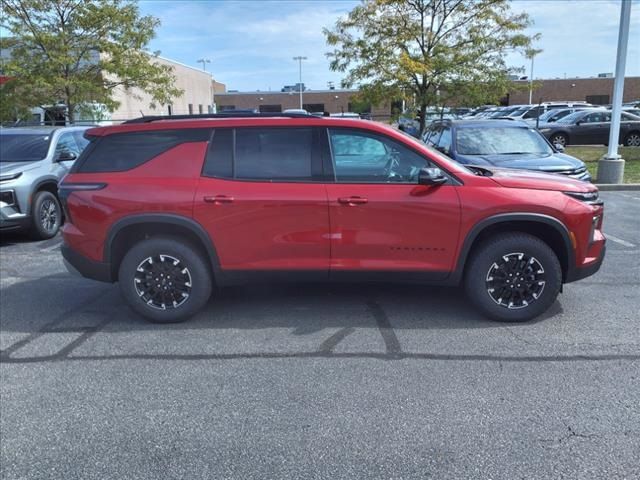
(65, 189)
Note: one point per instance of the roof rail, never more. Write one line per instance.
(157, 118)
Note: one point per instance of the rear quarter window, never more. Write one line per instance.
(120, 152)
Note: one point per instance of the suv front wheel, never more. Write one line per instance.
(165, 280)
(513, 277)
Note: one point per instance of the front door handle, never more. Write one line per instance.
(352, 200)
(218, 199)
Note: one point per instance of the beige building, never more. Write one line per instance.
(198, 86)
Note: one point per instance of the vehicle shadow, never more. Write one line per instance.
(65, 301)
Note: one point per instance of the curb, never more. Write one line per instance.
(621, 187)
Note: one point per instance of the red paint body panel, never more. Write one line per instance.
(154, 187)
(400, 227)
(279, 226)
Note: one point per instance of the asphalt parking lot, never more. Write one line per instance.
(317, 381)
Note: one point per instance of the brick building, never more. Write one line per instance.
(332, 101)
(598, 91)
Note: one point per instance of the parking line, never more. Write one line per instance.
(51, 248)
(619, 240)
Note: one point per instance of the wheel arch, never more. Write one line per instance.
(547, 228)
(133, 228)
(45, 184)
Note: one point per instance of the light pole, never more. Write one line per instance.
(204, 62)
(299, 60)
(531, 53)
(611, 165)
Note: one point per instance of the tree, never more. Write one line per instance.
(428, 51)
(76, 52)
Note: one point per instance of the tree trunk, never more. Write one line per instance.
(70, 113)
(423, 118)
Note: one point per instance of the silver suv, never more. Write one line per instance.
(32, 161)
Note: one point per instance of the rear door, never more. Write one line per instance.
(262, 199)
(382, 221)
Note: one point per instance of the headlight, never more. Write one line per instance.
(10, 176)
(545, 130)
(587, 197)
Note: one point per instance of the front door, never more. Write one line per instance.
(262, 202)
(381, 219)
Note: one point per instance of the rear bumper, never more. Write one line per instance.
(78, 264)
(576, 274)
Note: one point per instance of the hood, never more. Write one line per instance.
(511, 178)
(555, 162)
(15, 167)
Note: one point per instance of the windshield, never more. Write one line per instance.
(501, 141)
(519, 112)
(553, 114)
(23, 148)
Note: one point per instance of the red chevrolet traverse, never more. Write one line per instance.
(170, 207)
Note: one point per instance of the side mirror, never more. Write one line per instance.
(578, 122)
(66, 156)
(559, 147)
(431, 176)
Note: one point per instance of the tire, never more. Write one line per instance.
(560, 138)
(498, 257)
(632, 139)
(46, 216)
(183, 288)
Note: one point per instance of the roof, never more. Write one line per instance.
(40, 129)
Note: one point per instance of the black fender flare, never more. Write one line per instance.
(480, 226)
(162, 218)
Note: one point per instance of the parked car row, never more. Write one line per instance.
(591, 127)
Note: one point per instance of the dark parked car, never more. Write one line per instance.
(502, 143)
(591, 127)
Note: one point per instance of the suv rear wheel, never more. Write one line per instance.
(165, 280)
(513, 277)
(47, 215)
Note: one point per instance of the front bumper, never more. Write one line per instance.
(78, 264)
(576, 274)
(12, 219)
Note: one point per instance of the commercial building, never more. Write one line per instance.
(332, 101)
(595, 90)
(199, 90)
(198, 87)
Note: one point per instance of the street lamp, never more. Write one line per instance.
(531, 53)
(299, 60)
(204, 62)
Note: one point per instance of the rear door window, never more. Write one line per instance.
(266, 154)
(273, 153)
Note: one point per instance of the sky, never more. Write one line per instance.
(251, 44)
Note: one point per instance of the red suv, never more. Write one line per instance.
(171, 207)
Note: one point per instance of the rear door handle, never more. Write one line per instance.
(352, 200)
(218, 199)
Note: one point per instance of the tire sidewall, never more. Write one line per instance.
(489, 252)
(188, 255)
(38, 231)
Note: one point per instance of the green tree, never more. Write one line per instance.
(428, 51)
(76, 52)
